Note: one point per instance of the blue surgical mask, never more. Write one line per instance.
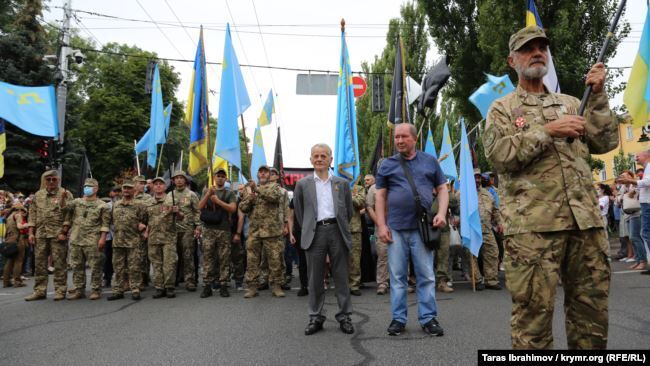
(88, 191)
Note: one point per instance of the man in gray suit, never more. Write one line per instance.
(323, 208)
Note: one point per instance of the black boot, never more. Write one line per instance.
(207, 292)
(170, 293)
(159, 293)
(115, 297)
(223, 291)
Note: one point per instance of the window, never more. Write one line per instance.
(630, 133)
(603, 173)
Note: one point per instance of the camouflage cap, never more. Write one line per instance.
(91, 182)
(180, 173)
(221, 170)
(139, 178)
(161, 179)
(525, 35)
(263, 167)
(273, 170)
(128, 184)
(116, 187)
(51, 173)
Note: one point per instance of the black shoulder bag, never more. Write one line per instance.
(430, 235)
(212, 214)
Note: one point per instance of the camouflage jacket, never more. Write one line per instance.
(264, 210)
(358, 203)
(488, 210)
(46, 212)
(144, 198)
(546, 182)
(188, 203)
(126, 218)
(160, 221)
(87, 220)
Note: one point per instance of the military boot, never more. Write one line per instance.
(170, 293)
(95, 295)
(444, 287)
(223, 291)
(135, 295)
(159, 293)
(116, 296)
(250, 293)
(207, 291)
(59, 296)
(276, 291)
(35, 296)
(76, 295)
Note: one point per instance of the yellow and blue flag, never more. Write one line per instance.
(196, 115)
(3, 147)
(32, 109)
(470, 219)
(550, 79)
(495, 88)
(259, 156)
(430, 148)
(346, 147)
(233, 101)
(637, 91)
(448, 160)
(267, 112)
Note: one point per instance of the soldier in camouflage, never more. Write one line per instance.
(263, 204)
(490, 217)
(144, 199)
(274, 176)
(161, 217)
(381, 247)
(354, 260)
(128, 222)
(45, 221)
(216, 206)
(188, 228)
(88, 220)
(552, 223)
(442, 253)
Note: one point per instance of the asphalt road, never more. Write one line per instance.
(269, 331)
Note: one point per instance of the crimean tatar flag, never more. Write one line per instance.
(637, 91)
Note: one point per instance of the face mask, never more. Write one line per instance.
(88, 191)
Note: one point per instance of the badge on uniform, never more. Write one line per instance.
(520, 122)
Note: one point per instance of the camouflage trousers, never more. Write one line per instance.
(126, 262)
(216, 253)
(490, 253)
(354, 263)
(382, 264)
(442, 258)
(163, 259)
(59, 252)
(534, 262)
(237, 258)
(273, 247)
(80, 256)
(186, 249)
(264, 267)
(143, 261)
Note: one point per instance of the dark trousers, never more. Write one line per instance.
(302, 262)
(108, 261)
(328, 242)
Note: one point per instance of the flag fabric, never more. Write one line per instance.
(495, 88)
(267, 111)
(447, 158)
(378, 154)
(233, 101)
(217, 163)
(278, 162)
(470, 219)
(434, 80)
(346, 147)
(143, 144)
(85, 172)
(156, 119)
(3, 147)
(398, 109)
(196, 116)
(637, 91)
(32, 109)
(259, 157)
(550, 79)
(430, 148)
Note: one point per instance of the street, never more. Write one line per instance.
(269, 331)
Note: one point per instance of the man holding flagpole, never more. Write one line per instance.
(552, 222)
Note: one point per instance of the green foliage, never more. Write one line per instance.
(596, 164)
(622, 163)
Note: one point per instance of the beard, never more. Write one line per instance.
(532, 72)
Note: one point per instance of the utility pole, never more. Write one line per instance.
(62, 79)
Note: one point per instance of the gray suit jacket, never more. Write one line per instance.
(306, 208)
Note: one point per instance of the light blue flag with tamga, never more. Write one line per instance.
(30, 108)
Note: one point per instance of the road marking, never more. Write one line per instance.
(630, 271)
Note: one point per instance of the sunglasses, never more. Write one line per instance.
(51, 179)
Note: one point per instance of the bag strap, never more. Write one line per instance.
(409, 178)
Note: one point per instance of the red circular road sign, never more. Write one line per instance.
(359, 86)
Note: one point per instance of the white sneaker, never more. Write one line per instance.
(630, 260)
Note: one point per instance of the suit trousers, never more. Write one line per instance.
(328, 241)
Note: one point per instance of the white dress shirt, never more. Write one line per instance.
(644, 185)
(325, 202)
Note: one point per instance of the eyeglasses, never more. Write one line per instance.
(51, 179)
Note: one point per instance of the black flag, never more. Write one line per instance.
(435, 79)
(398, 109)
(278, 163)
(85, 172)
(378, 153)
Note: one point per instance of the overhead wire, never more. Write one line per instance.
(161, 31)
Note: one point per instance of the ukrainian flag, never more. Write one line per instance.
(637, 92)
(267, 112)
(196, 116)
(550, 79)
(3, 147)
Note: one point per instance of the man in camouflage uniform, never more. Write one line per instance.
(161, 239)
(128, 218)
(490, 217)
(263, 204)
(354, 260)
(188, 228)
(274, 177)
(45, 221)
(216, 206)
(88, 219)
(442, 253)
(142, 256)
(551, 215)
(381, 247)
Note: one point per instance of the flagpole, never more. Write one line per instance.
(137, 159)
(243, 128)
(472, 269)
(160, 159)
(204, 102)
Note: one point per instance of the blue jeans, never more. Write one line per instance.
(634, 231)
(645, 223)
(407, 242)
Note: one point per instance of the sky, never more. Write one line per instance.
(301, 34)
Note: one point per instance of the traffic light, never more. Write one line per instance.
(378, 93)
